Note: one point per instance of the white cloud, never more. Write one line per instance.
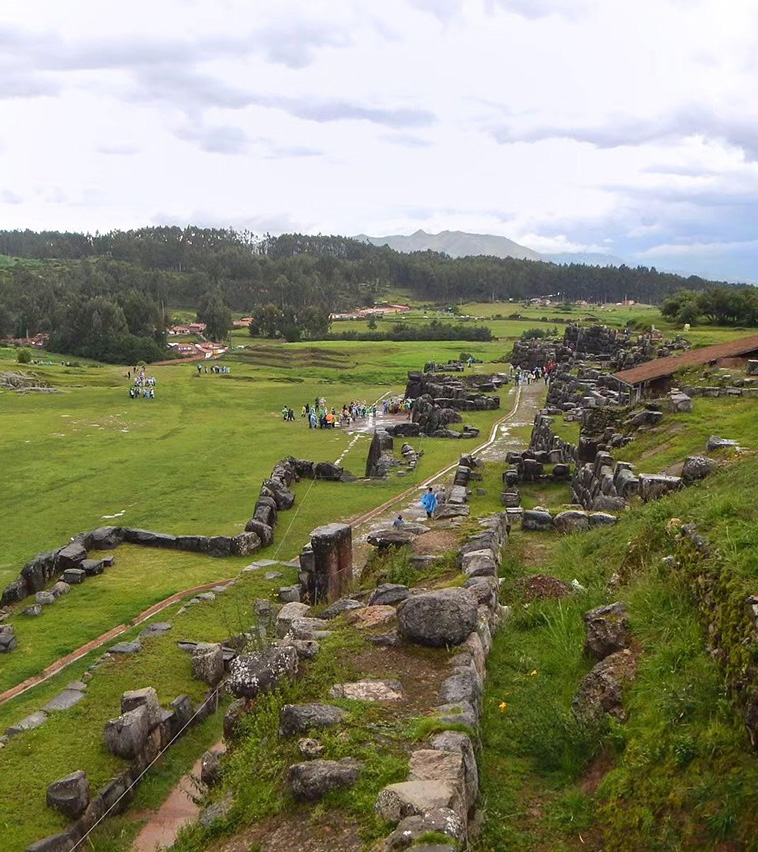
(567, 124)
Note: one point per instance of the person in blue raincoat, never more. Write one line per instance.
(429, 502)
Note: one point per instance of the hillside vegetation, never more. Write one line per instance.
(106, 296)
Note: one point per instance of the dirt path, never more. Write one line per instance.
(179, 808)
(61, 663)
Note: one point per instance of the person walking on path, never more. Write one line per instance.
(429, 502)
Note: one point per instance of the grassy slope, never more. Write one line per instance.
(679, 774)
(73, 739)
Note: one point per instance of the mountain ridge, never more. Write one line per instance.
(465, 244)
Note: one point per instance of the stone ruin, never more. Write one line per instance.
(72, 566)
(22, 382)
(454, 365)
(326, 564)
(620, 350)
(381, 458)
(439, 399)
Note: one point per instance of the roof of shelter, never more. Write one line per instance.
(662, 367)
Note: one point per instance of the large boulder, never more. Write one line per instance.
(285, 499)
(463, 686)
(287, 614)
(436, 821)
(680, 402)
(106, 538)
(147, 698)
(571, 521)
(37, 572)
(299, 719)
(264, 531)
(696, 468)
(415, 798)
(70, 795)
(438, 618)
(7, 638)
(251, 674)
(210, 768)
(340, 607)
(454, 741)
(208, 663)
(245, 544)
(233, 718)
(479, 563)
(601, 691)
(387, 594)
(607, 630)
(329, 471)
(127, 735)
(311, 781)
(71, 556)
(536, 520)
(14, 592)
(385, 539)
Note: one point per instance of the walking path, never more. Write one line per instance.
(179, 808)
(527, 401)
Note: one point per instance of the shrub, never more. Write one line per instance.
(24, 355)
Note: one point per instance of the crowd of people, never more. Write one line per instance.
(142, 385)
(320, 416)
(524, 376)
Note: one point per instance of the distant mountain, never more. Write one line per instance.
(589, 258)
(455, 244)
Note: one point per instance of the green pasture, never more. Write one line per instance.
(497, 317)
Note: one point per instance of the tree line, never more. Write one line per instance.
(107, 295)
(737, 306)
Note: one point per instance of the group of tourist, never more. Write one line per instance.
(524, 376)
(214, 368)
(396, 406)
(320, 416)
(142, 385)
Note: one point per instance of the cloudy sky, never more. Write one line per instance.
(628, 128)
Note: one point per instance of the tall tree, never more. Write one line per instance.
(215, 314)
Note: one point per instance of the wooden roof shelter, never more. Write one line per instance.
(663, 368)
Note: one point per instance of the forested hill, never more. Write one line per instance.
(117, 286)
(333, 270)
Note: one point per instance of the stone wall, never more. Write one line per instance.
(607, 486)
(620, 349)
